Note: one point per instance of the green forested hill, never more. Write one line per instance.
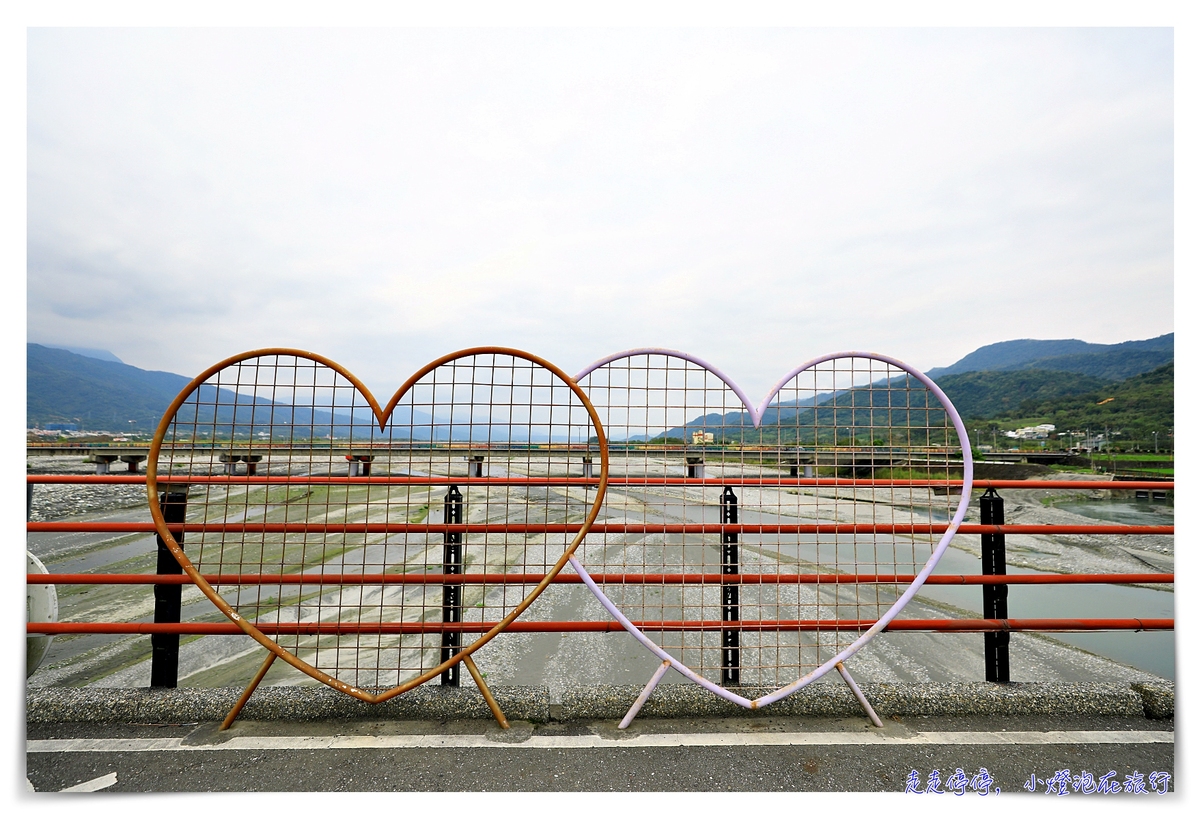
(62, 387)
(1114, 365)
(1138, 407)
(1112, 361)
(99, 395)
(984, 395)
(1135, 407)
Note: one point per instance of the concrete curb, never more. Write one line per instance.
(1154, 700)
(1158, 697)
(949, 699)
(307, 703)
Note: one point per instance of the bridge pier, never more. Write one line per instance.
(231, 460)
(103, 461)
(805, 459)
(360, 465)
(474, 465)
(133, 460)
(695, 466)
(587, 466)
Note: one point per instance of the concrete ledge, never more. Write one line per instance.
(601, 702)
(1158, 698)
(307, 703)
(834, 699)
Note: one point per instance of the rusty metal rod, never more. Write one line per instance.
(250, 688)
(483, 688)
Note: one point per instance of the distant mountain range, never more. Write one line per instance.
(993, 381)
(985, 395)
(88, 352)
(1114, 362)
(98, 392)
(63, 387)
(93, 393)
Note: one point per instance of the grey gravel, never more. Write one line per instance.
(1158, 698)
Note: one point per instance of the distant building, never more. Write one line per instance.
(1039, 432)
(701, 437)
(61, 427)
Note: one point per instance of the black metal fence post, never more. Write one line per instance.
(730, 641)
(164, 647)
(995, 597)
(452, 563)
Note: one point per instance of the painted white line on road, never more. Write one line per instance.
(95, 785)
(246, 743)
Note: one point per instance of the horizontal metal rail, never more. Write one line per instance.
(598, 528)
(613, 480)
(601, 579)
(981, 625)
(523, 626)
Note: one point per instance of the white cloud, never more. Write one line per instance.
(758, 197)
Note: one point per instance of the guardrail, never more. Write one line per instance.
(996, 625)
(994, 580)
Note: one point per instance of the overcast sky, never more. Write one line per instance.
(755, 197)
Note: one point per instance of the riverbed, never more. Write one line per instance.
(560, 660)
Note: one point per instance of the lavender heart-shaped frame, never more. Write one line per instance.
(854, 464)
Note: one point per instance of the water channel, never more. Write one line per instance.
(1153, 651)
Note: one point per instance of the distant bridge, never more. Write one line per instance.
(801, 461)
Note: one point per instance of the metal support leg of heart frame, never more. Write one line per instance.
(645, 694)
(858, 694)
(483, 688)
(258, 677)
(266, 665)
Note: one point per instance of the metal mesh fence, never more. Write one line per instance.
(760, 607)
(396, 530)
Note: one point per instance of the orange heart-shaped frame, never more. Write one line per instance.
(364, 545)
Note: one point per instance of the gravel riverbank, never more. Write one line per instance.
(558, 661)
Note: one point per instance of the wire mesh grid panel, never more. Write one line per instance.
(764, 604)
(365, 542)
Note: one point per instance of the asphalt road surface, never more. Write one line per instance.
(1061, 756)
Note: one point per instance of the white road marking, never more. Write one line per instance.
(244, 743)
(101, 783)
